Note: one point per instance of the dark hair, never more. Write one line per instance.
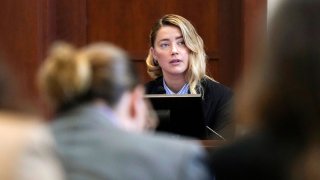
(281, 93)
(284, 90)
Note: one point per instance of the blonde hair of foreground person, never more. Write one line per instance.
(100, 72)
(197, 56)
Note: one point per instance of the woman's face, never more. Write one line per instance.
(170, 51)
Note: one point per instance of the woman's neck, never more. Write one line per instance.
(175, 83)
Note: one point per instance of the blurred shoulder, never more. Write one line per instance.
(38, 157)
(28, 147)
(18, 125)
(174, 144)
(183, 153)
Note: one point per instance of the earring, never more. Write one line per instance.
(155, 62)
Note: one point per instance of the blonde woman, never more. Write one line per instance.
(100, 119)
(177, 63)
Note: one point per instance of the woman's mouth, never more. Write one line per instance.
(175, 61)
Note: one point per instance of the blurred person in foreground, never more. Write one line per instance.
(27, 149)
(279, 101)
(101, 115)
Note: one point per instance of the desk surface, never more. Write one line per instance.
(210, 144)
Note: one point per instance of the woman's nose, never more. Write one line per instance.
(174, 49)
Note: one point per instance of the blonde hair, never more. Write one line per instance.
(197, 57)
(70, 76)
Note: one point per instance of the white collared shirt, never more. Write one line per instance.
(183, 90)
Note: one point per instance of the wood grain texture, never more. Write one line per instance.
(128, 24)
(22, 39)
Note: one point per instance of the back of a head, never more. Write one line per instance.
(281, 93)
(282, 89)
(70, 76)
(295, 64)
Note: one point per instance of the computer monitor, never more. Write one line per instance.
(181, 115)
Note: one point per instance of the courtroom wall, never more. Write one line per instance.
(28, 27)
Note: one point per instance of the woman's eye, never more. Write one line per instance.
(181, 43)
(164, 45)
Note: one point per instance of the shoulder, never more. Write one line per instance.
(155, 86)
(231, 160)
(240, 159)
(210, 84)
(40, 153)
(176, 144)
(86, 118)
(214, 89)
(179, 150)
(169, 152)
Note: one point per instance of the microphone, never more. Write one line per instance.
(211, 130)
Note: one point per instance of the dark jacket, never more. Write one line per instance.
(216, 104)
(262, 156)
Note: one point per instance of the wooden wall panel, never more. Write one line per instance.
(254, 29)
(230, 36)
(68, 21)
(28, 27)
(22, 39)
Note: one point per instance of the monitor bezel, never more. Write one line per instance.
(187, 106)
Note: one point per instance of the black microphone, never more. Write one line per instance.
(211, 130)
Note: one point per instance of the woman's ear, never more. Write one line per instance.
(152, 51)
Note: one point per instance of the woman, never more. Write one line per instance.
(100, 118)
(177, 62)
(279, 100)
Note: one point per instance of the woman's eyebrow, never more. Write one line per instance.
(165, 39)
(180, 37)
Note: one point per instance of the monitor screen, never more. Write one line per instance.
(181, 115)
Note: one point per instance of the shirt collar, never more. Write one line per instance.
(183, 90)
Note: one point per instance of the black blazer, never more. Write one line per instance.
(216, 104)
